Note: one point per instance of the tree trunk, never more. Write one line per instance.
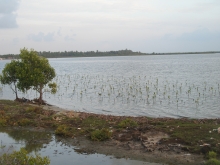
(16, 95)
(16, 92)
(41, 94)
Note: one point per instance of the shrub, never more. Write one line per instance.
(127, 123)
(213, 162)
(100, 135)
(212, 159)
(63, 130)
(212, 155)
(22, 158)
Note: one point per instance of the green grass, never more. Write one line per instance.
(64, 130)
(94, 122)
(100, 135)
(127, 123)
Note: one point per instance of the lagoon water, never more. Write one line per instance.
(154, 86)
(58, 151)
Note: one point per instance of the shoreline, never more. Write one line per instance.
(108, 54)
(166, 140)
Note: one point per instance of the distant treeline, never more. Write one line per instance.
(88, 53)
(64, 54)
(9, 56)
(173, 53)
(97, 53)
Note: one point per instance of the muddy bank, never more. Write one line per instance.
(166, 140)
(112, 147)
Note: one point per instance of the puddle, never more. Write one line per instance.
(46, 144)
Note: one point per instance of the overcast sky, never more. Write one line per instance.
(104, 25)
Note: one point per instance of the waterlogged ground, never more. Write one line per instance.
(58, 150)
(154, 86)
(166, 140)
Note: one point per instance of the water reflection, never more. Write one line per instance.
(31, 141)
(56, 149)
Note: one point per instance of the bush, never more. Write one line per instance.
(63, 130)
(212, 155)
(127, 123)
(22, 158)
(212, 159)
(101, 135)
(213, 162)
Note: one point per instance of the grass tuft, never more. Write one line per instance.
(127, 123)
(101, 135)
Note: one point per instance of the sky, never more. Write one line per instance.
(105, 25)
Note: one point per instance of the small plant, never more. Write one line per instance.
(3, 122)
(63, 130)
(36, 110)
(212, 155)
(24, 122)
(22, 158)
(212, 159)
(212, 162)
(30, 109)
(100, 135)
(127, 123)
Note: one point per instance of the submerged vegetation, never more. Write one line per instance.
(130, 91)
(184, 97)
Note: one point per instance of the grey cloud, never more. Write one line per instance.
(70, 38)
(7, 15)
(49, 37)
(8, 21)
(15, 41)
(167, 36)
(41, 37)
(59, 32)
(200, 35)
(36, 37)
(8, 6)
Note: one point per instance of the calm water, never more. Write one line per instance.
(58, 152)
(155, 86)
